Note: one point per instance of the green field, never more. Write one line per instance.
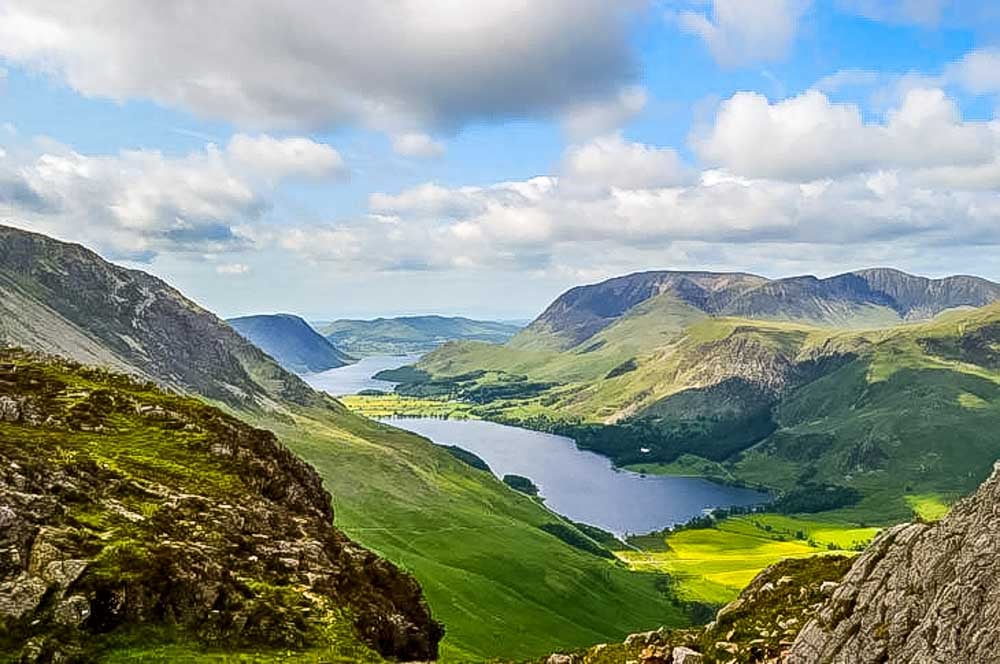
(503, 587)
(393, 405)
(713, 564)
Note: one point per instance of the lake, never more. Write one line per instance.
(580, 485)
(358, 376)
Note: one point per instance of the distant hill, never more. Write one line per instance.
(291, 341)
(411, 334)
(865, 298)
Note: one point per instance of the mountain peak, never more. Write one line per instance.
(63, 299)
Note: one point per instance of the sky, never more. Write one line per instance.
(337, 158)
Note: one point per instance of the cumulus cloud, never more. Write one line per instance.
(978, 71)
(741, 33)
(137, 203)
(318, 63)
(611, 161)
(286, 157)
(415, 144)
(816, 178)
(809, 137)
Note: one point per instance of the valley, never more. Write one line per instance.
(851, 428)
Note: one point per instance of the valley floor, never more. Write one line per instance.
(709, 565)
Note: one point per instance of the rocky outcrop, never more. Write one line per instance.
(920, 593)
(122, 506)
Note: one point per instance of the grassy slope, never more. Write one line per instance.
(502, 586)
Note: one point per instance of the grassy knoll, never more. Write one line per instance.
(713, 564)
(502, 585)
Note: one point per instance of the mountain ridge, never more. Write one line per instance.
(856, 298)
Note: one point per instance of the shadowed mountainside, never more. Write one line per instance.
(291, 341)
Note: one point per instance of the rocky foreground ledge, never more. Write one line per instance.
(127, 511)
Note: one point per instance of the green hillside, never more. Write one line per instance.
(138, 523)
(894, 414)
(502, 586)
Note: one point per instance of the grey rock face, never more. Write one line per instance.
(920, 593)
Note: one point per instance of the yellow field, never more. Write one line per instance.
(394, 405)
(714, 564)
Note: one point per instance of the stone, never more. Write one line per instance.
(684, 655)
(22, 595)
(827, 587)
(64, 572)
(10, 410)
(920, 593)
(559, 658)
(72, 611)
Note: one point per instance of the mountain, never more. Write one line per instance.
(64, 299)
(492, 571)
(865, 298)
(291, 341)
(869, 422)
(124, 507)
(411, 334)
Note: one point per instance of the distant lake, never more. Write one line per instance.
(358, 376)
(580, 485)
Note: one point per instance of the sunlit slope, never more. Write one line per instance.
(503, 587)
(898, 412)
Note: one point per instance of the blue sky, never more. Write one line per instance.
(358, 159)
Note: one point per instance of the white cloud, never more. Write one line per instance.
(415, 144)
(137, 203)
(978, 72)
(601, 117)
(232, 269)
(809, 137)
(317, 63)
(287, 157)
(797, 180)
(739, 33)
(610, 161)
